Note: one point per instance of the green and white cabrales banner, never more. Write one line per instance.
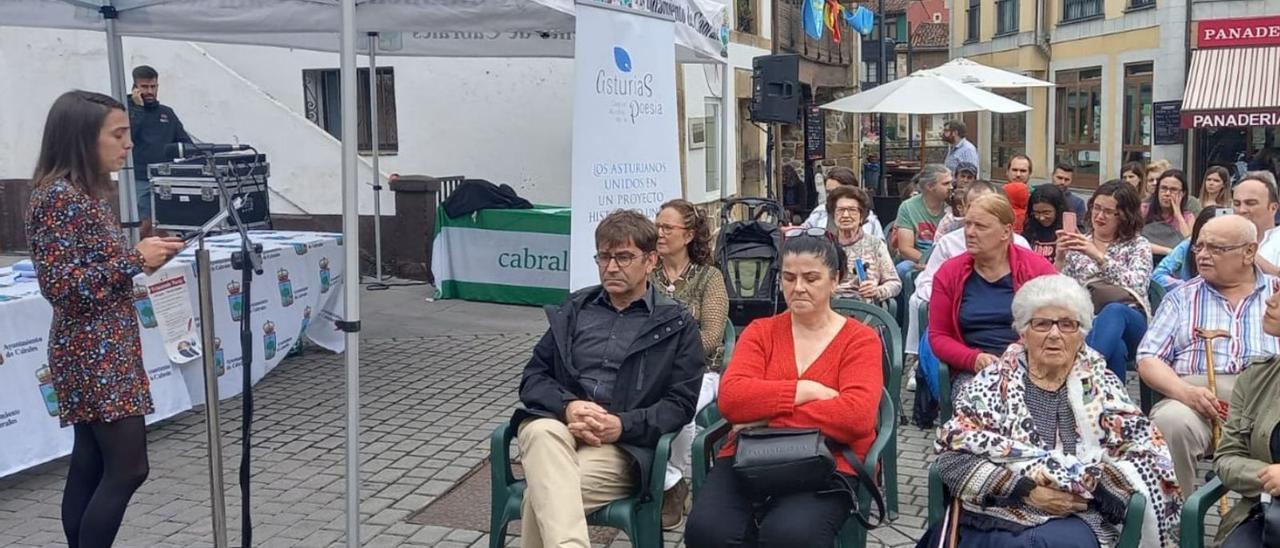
(515, 256)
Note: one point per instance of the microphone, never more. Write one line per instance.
(189, 150)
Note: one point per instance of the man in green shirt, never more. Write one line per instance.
(918, 217)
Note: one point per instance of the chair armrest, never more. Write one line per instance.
(500, 454)
(1194, 510)
(1131, 535)
(658, 473)
(937, 495)
(884, 429)
(708, 416)
(704, 446)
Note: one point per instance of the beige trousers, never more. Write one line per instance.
(566, 480)
(1188, 434)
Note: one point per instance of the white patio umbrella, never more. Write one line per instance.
(980, 75)
(925, 92)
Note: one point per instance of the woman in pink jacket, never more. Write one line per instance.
(970, 313)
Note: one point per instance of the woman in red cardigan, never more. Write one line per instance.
(809, 367)
(971, 316)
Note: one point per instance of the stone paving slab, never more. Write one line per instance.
(428, 406)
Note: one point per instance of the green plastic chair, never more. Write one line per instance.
(852, 533)
(711, 413)
(1130, 535)
(880, 320)
(639, 516)
(945, 409)
(1191, 533)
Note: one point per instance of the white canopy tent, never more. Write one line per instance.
(443, 28)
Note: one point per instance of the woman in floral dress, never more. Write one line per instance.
(86, 271)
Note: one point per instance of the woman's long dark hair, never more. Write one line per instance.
(1044, 194)
(1155, 212)
(1224, 193)
(1128, 204)
(695, 221)
(69, 148)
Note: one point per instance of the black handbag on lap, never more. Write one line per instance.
(781, 461)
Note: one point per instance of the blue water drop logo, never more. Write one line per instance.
(622, 59)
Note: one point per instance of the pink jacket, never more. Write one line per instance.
(944, 305)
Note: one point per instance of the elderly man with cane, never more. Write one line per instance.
(1204, 334)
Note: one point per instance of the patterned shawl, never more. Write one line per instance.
(992, 421)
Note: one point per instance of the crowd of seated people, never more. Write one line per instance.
(1038, 330)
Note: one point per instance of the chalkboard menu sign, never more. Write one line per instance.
(1166, 117)
(815, 133)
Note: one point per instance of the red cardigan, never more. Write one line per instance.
(948, 289)
(760, 384)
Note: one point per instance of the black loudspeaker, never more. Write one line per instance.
(775, 88)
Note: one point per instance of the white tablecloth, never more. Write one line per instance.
(299, 293)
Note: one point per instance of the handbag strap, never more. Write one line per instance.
(866, 479)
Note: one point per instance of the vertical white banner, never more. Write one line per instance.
(625, 149)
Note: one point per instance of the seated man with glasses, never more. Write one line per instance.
(620, 366)
(1225, 303)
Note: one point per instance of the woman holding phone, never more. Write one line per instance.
(86, 270)
(869, 271)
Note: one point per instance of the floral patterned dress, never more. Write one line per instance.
(86, 270)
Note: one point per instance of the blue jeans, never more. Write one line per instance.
(143, 188)
(904, 269)
(1116, 332)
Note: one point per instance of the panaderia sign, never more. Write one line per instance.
(1235, 33)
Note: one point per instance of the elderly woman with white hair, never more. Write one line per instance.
(1045, 448)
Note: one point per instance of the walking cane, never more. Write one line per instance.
(1209, 335)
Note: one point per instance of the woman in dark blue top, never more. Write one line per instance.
(986, 315)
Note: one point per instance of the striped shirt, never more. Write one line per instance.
(1171, 335)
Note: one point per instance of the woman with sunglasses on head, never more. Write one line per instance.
(869, 272)
(809, 367)
(86, 269)
(1113, 262)
(970, 319)
(686, 274)
(1179, 265)
(1168, 220)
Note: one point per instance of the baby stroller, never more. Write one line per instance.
(749, 254)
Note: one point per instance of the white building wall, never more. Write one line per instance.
(504, 120)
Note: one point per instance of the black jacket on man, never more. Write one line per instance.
(657, 385)
(152, 127)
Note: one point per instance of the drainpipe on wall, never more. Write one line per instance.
(1042, 45)
(1188, 161)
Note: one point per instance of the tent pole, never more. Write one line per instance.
(351, 270)
(115, 62)
(373, 143)
(727, 116)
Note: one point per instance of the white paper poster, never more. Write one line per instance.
(625, 135)
(169, 308)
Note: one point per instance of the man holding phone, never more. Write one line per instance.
(153, 126)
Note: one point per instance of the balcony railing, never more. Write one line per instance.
(792, 38)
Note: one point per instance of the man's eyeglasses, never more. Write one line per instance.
(1216, 250)
(815, 232)
(1044, 325)
(623, 259)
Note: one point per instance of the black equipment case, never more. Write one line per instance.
(185, 195)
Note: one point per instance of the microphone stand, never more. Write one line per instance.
(249, 262)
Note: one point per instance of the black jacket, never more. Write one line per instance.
(476, 194)
(657, 386)
(152, 129)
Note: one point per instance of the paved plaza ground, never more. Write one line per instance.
(436, 379)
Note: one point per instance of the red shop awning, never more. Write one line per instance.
(1233, 87)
